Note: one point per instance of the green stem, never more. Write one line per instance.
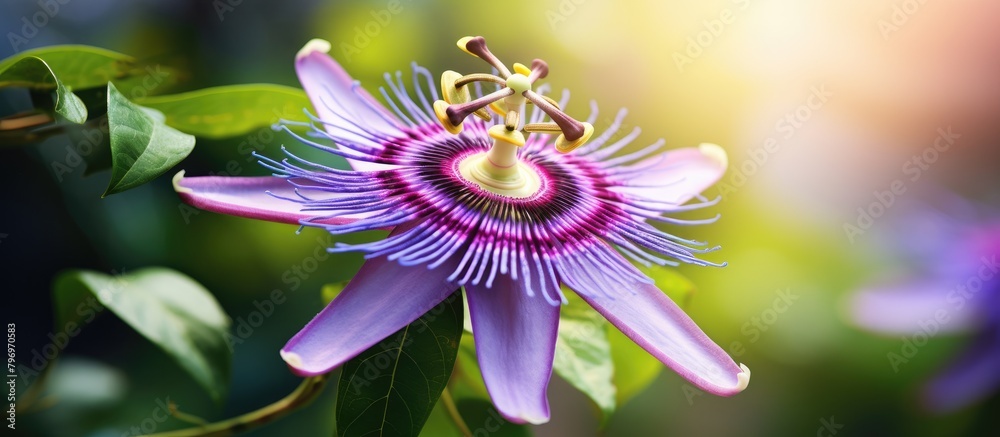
(304, 394)
(449, 405)
(27, 400)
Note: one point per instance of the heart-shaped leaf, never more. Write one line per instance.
(142, 146)
(226, 111)
(168, 308)
(32, 72)
(391, 388)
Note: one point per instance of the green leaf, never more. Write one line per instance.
(33, 72)
(142, 147)
(676, 286)
(583, 354)
(329, 292)
(81, 66)
(634, 368)
(483, 419)
(168, 308)
(226, 111)
(391, 388)
(468, 381)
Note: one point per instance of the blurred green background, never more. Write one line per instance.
(819, 105)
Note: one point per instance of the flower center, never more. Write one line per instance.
(499, 169)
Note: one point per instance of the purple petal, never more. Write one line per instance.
(338, 101)
(909, 308)
(515, 344)
(381, 299)
(974, 376)
(678, 175)
(656, 324)
(247, 197)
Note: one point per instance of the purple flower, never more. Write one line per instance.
(472, 203)
(959, 292)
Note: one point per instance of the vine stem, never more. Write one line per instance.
(449, 405)
(303, 395)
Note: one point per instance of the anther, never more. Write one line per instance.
(542, 128)
(511, 120)
(571, 128)
(476, 46)
(539, 69)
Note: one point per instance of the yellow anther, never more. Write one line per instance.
(441, 111)
(499, 132)
(451, 93)
(498, 108)
(565, 146)
(462, 42)
(520, 68)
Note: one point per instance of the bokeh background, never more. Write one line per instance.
(819, 105)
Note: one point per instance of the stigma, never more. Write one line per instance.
(499, 170)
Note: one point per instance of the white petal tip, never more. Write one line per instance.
(314, 45)
(293, 359)
(536, 420)
(743, 378)
(716, 153)
(177, 184)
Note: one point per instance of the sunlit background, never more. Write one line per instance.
(820, 105)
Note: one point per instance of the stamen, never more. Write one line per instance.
(512, 120)
(457, 113)
(476, 46)
(539, 69)
(479, 77)
(545, 128)
(571, 128)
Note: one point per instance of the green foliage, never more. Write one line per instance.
(676, 286)
(598, 359)
(230, 110)
(81, 66)
(483, 419)
(583, 354)
(168, 308)
(142, 146)
(635, 368)
(391, 388)
(32, 72)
